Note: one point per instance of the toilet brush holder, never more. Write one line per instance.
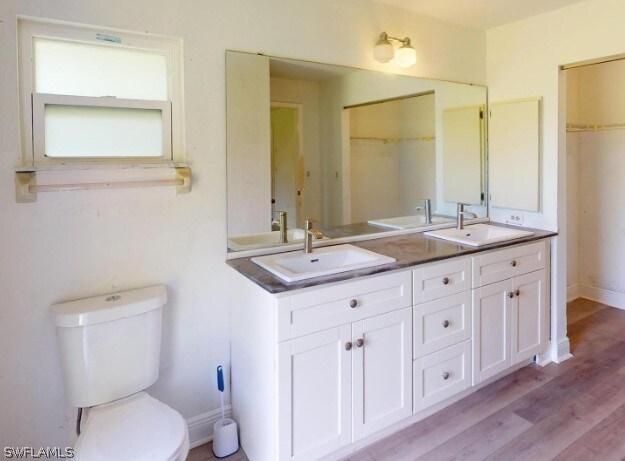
(225, 437)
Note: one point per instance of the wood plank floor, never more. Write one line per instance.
(568, 412)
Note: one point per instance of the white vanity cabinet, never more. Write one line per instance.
(510, 308)
(317, 372)
(341, 368)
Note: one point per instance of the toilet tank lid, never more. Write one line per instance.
(112, 306)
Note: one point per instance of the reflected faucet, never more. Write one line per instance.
(281, 226)
(310, 233)
(461, 214)
(427, 210)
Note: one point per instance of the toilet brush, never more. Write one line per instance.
(220, 387)
(225, 434)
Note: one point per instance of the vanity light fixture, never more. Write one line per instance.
(384, 51)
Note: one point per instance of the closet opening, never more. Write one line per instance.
(595, 159)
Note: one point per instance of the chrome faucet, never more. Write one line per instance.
(282, 226)
(310, 233)
(461, 214)
(427, 210)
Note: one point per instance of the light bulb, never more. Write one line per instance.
(383, 50)
(406, 55)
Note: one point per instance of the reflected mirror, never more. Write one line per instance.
(359, 151)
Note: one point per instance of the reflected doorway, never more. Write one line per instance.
(287, 161)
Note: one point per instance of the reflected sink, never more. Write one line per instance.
(408, 222)
(265, 239)
(479, 234)
(296, 266)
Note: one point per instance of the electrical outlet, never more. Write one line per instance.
(515, 218)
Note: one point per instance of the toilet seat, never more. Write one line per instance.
(135, 428)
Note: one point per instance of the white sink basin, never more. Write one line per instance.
(479, 234)
(265, 239)
(407, 222)
(295, 266)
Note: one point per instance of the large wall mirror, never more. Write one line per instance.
(359, 151)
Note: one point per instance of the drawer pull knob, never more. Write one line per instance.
(517, 292)
(360, 342)
(353, 303)
(348, 345)
(513, 263)
(445, 323)
(510, 295)
(446, 281)
(446, 375)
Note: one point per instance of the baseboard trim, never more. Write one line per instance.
(561, 350)
(572, 293)
(201, 426)
(611, 298)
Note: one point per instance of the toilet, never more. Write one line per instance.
(110, 350)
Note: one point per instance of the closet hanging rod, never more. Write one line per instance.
(26, 187)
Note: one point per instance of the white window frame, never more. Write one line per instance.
(31, 103)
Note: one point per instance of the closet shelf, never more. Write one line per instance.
(392, 140)
(584, 127)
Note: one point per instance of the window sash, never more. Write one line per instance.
(40, 100)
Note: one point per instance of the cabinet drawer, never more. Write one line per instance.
(504, 264)
(314, 310)
(441, 375)
(441, 279)
(441, 323)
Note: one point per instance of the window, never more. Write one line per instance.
(98, 96)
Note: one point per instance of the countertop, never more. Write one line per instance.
(409, 250)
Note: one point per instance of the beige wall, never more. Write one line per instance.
(523, 60)
(76, 244)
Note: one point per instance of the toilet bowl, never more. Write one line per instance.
(110, 350)
(135, 428)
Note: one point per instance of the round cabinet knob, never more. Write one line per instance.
(360, 342)
(510, 295)
(446, 375)
(517, 292)
(446, 281)
(446, 323)
(348, 346)
(513, 263)
(353, 303)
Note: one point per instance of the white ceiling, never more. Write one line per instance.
(480, 14)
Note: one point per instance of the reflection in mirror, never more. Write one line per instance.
(392, 160)
(359, 151)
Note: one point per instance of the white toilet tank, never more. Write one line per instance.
(110, 345)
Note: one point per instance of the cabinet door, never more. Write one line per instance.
(528, 319)
(382, 386)
(491, 327)
(314, 380)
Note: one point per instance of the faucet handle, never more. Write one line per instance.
(309, 223)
